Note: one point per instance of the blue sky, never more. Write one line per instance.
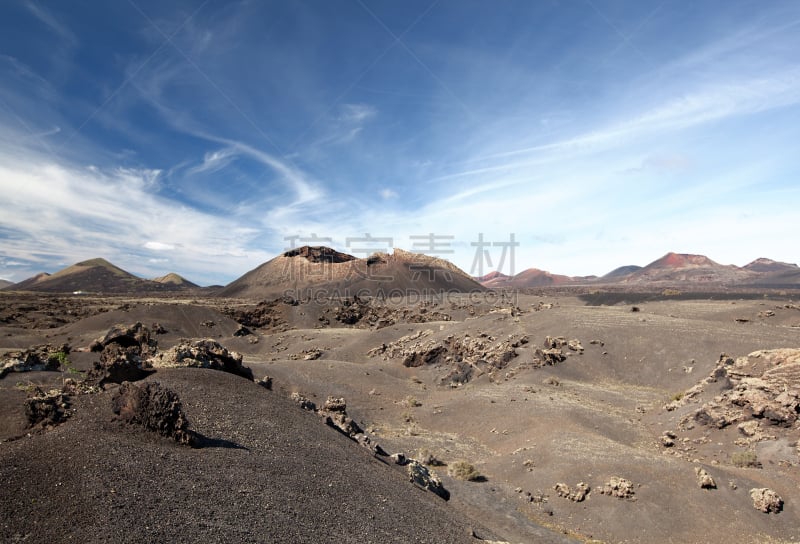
(204, 138)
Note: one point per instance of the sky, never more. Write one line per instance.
(575, 136)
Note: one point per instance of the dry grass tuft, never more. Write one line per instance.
(464, 471)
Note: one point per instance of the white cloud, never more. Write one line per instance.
(388, 194)
(159, 246)
(214, 161)
(72, 213)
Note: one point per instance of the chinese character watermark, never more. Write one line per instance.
(432, 244)
(374, 244)
(482, 255)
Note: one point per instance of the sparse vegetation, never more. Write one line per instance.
(60, 357)
(411, 402)
(677, 396)
(64, 364)
(27, 388)
(426, 457)
(412, 429)
(464, 471)
(745, 459)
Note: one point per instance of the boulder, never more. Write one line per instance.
(307, 355)
(766, 500)
(549, 357)
(399, 458)
(422, 476)
(305, 403)
(242, 331)
(334, 413)
(618, 487)
(575, 495)
(153, 407)
(124, 351)
(575, 345)
(704, 479)
(136, 335)
(46, 408)
(335, 404)
(554, 342)
(206, 353)
(34, 359)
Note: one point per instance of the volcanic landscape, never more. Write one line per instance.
(325, 398)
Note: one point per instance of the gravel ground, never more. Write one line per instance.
(270, 472)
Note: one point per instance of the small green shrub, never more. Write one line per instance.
(60, 357)
(677, 396)
(745, 459)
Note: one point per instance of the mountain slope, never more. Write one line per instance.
(98, 276)
(328, 272)
(270, 472)
(621, 272)
(94, 275)
(492, 277)
(687, 267)
(175, 280)
(532, 277)
(769, 266)
(28, 283)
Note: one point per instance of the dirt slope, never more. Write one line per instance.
(271, 473)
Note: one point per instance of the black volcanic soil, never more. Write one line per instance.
(271, 472)
(597, 414)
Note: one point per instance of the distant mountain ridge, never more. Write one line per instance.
(98, 276)
(674, 268)
(321, 267)
(531, 277)
(687, 267)
(768, 265)
(174, 279)
(622, 271)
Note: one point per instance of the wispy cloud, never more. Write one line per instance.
(357, 113)
(216, 137)
(49, 20)
(68, 213)
(213, 161)
(693, 107)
